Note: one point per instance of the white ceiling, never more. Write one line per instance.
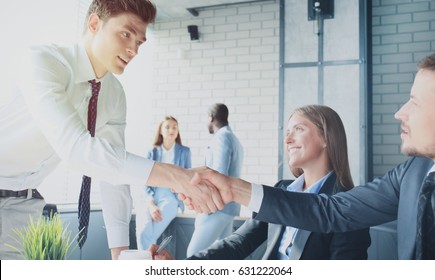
(171, 9)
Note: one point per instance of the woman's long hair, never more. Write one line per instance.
(158, 139)
(331, 129)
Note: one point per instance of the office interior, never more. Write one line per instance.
(262, 59)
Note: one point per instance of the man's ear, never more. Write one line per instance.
(93, 23)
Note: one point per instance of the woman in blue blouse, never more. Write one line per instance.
(160, 205)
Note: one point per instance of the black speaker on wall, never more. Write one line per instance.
(326, 7)
(193, 31)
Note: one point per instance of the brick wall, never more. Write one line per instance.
(235, 62)
(403, 33)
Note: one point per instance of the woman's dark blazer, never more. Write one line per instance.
(307, 245)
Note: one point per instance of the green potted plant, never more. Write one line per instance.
(44, 239)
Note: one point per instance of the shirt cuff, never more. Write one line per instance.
(136, 170)
(118, 236)
(256, 198)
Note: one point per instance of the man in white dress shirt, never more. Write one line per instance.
(44, 123)
(225, 155)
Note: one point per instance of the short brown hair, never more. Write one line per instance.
(105, 9)
(428, 63)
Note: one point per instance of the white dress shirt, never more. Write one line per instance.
(45, 121)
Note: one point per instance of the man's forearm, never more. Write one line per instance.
(167, 175)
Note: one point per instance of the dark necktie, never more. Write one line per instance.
(84, 200)
(425, 243)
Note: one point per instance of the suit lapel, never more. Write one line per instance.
(274, 235)
(299, 244)
(275, 232)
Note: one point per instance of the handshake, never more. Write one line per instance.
(202, 189)
(209, 191)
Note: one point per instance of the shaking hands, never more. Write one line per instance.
(221, 189)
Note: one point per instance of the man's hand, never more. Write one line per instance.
(213, 178)
(163, 255)
(205, 197)
(204, 176)
(230, 188)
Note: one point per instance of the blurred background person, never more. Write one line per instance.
(225, 155)
(157, 207)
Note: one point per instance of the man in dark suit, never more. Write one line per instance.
(392, 196)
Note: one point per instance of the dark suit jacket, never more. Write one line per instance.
(393, 196)
(307, 245)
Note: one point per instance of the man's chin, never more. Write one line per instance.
(117, 70)
(406, 150)
(411, 152)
